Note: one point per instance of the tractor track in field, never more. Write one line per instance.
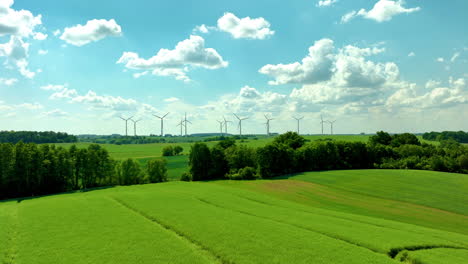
(293, 225)
(204, 250)
(392, 253)
(348, 219)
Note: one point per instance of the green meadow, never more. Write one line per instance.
(316, 217)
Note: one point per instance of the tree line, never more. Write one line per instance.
(36, 137)
(28, 169)
(291, 153)
(459, 136)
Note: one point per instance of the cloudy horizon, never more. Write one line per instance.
(77, 66)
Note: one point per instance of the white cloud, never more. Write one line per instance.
(455, 56)
(54, 87)
(40, 36)
(323, 3)
(139, 74)
(409, 97)
(204, 29)
(251, 28)
(56, 32)
(16, 52)
(344, 67)
(19, 23)
(383, 10)
(411, 54)
(30, 106)
(177, 62)
(7, 82)
(93, 31)
(440, 59)
(106, 102)
(42, 52)
(171, 99)
(55, 113)
(64, 93)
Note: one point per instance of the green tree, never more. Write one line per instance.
(381, 137)
(168, 151)
(157, 170)
(200, 162)
(129, 172)
(290, 139)
(178, 150)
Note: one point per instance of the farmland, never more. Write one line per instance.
(316, 217)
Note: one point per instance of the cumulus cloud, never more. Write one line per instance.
(42, 52)
(455, 93)
(94, 30)
(411, 54)
(7, 82)
(40, 36)
(344, 67)
(323, 3)
(251, 28)
(189, 53)
(19, 23)
(440, 59)
(455, 56)
(16, 52)
(383, 10)
(171, 99)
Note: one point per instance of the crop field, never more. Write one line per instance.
(304, 218)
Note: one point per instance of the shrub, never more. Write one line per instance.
(186, 177)
(168, 151)
(248, 173)
(178, 150)
(157, 170)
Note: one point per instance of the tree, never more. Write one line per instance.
(129, 172)
(178, 150)
(275, 159)
(403, 139)
(157, 170)
(219, 164)
(381, 137)
(168, 151)
(200, 162)
(290, 139)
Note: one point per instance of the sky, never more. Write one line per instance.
(78, 65)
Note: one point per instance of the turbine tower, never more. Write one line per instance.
(298, 119)
(220, 127)
(321, 122)
(225, 125)
(181, 124)
(126, 126)
(134, 126)
(185, 123)
(268, 124)
(331, 125)
(162, 122)
(240, 123)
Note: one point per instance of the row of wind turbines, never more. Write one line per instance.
(222, 124)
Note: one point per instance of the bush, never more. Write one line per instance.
(157, 170)
(248, 173)
(129, 172)
(178, 150)
(186, 177)
(290, 139)
(168, 151)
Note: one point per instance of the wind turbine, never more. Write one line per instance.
(181, 124)
(134, 125)
(331, 125)
(321, 122)
(220, 127)
(268, 124)
(240, 123)
(185, 123)
(162, 122)
(298, 119)
(126, 122)
(225, 125)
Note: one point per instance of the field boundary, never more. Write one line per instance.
(395, 251)
(204, 250)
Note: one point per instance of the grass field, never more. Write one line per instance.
(306, 218)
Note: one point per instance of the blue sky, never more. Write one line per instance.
(76, 66)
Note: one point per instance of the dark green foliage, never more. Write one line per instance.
(240, 156)
(168, 151)
(157, 170)
(36, 137)
(404, 139)
(226, 143)
(129, 172)
(178, 150)
(220, 166)
(458, 136)
(381, 137)
(200, 162)
(290, 139)
(275, 159)
(186, 177)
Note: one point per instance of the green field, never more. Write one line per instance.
(317, 217)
